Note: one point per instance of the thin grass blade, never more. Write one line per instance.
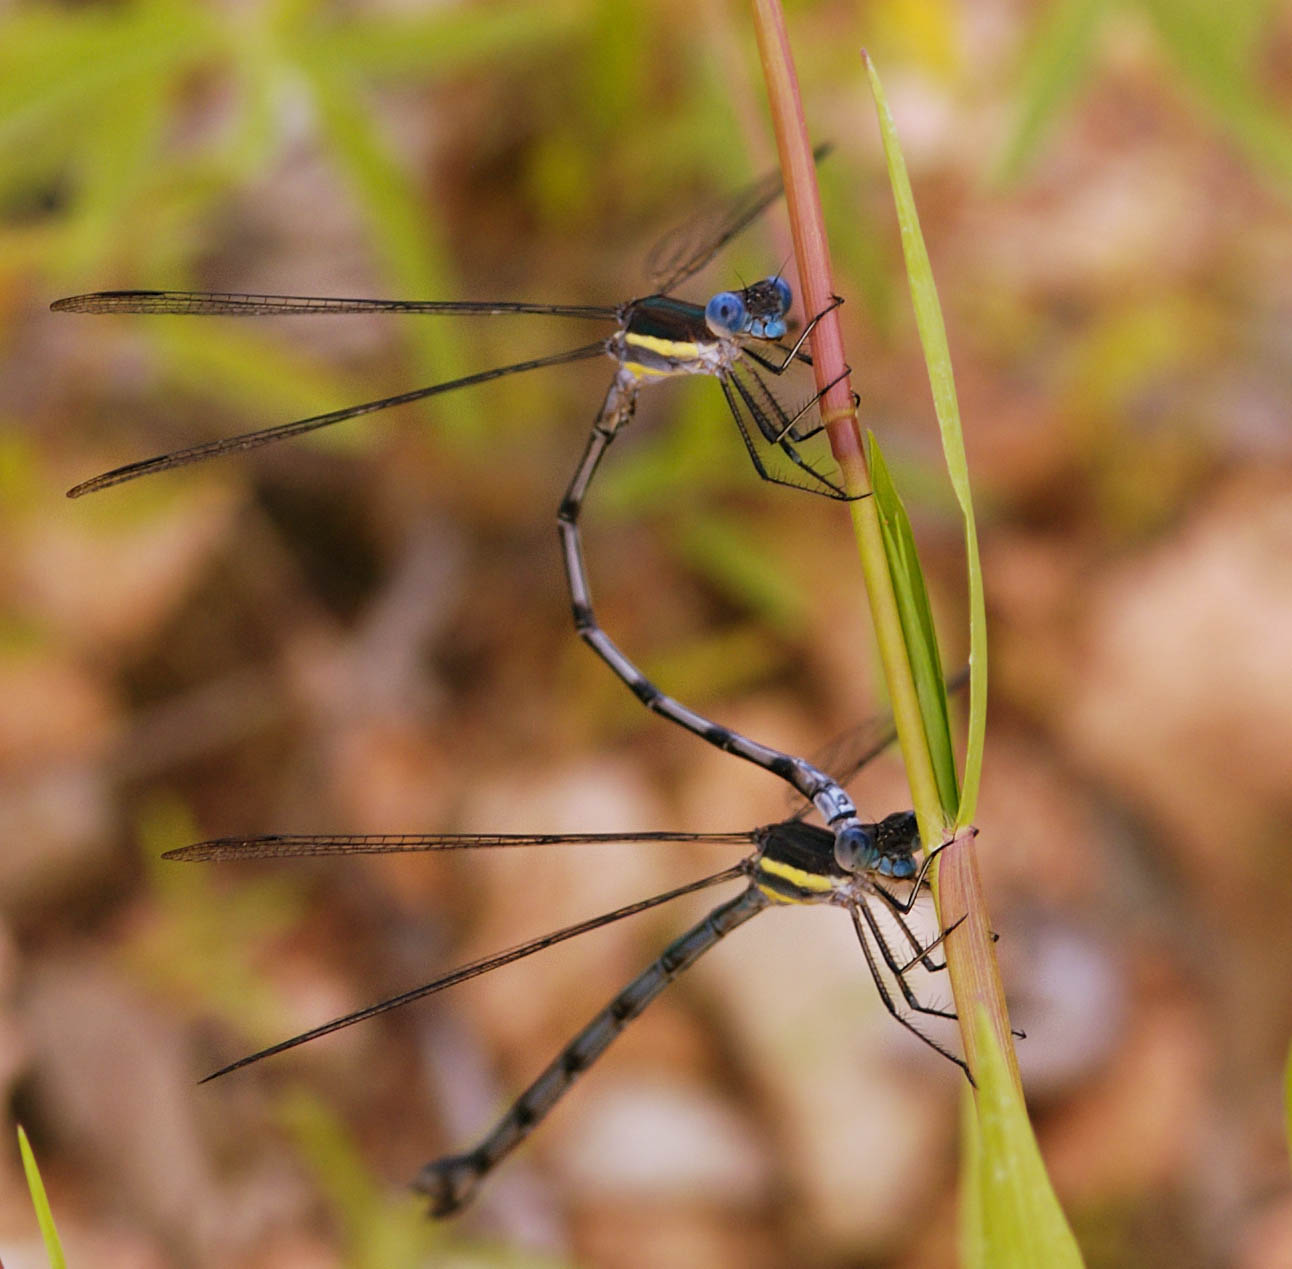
(937, 357)
(917, 627)
(40, 1201)
(1287, 1100)
(1054, 67)
(1198, 38)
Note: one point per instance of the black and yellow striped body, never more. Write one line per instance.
(660, 337)
(797, 865)
(797, 861)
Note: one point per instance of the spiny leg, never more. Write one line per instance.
(777, 428)
(920, 880)
(899, 910)
(741, 394)
(922, 956)
(923, 959)
(834, 804)
(451, 1182)
(898, 969)
(788, 421)
(890, 1004)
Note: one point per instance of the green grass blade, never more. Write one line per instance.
(1287, 1099)
(378, 1231)
(917, 626)
(1022, 1224)
(399, 219)
(969, 1231)
(40, 1201)
(64, 68)
(425, 46)
(1198, 38)
(1053, 69)
(937, 358)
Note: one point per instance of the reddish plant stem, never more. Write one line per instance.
(970, 953)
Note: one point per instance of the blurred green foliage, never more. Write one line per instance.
(378, 1230)
(1214, 48)
(203, 944)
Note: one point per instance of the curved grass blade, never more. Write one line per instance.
(40, 1201)
(937, 357)
(1022, 1224)
(1055, 65)
(917, 627)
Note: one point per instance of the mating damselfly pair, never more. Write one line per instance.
(735, 338)
(655, 338)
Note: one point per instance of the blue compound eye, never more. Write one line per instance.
(782, 289)
(725, 314)
(854, 849)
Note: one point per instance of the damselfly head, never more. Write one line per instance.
(887, 848)
(766, 303)
(759, 310)
(897, 838)
(770, 297)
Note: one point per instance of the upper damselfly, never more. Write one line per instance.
(791, 863)
(731, 338)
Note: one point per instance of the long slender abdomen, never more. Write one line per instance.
(450, 1183)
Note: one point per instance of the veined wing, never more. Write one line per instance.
(269, 435)
(232, 304)
(688, 247)
(300, 846)
(483, 966)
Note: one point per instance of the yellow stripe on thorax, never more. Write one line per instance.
(637, 370)
(675, 348)
(799, 877)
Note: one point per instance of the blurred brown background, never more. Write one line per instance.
(369, 631)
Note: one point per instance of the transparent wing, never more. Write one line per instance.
(483, 966)
(282, 846)
(269, 435)
(221, 304)
(688, 247)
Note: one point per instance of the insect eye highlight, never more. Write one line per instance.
(725, 313)
(854, 849)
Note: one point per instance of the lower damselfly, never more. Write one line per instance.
(733, 338)
(791, 863)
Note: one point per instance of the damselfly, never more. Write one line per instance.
(792, 862)
(657, 337)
